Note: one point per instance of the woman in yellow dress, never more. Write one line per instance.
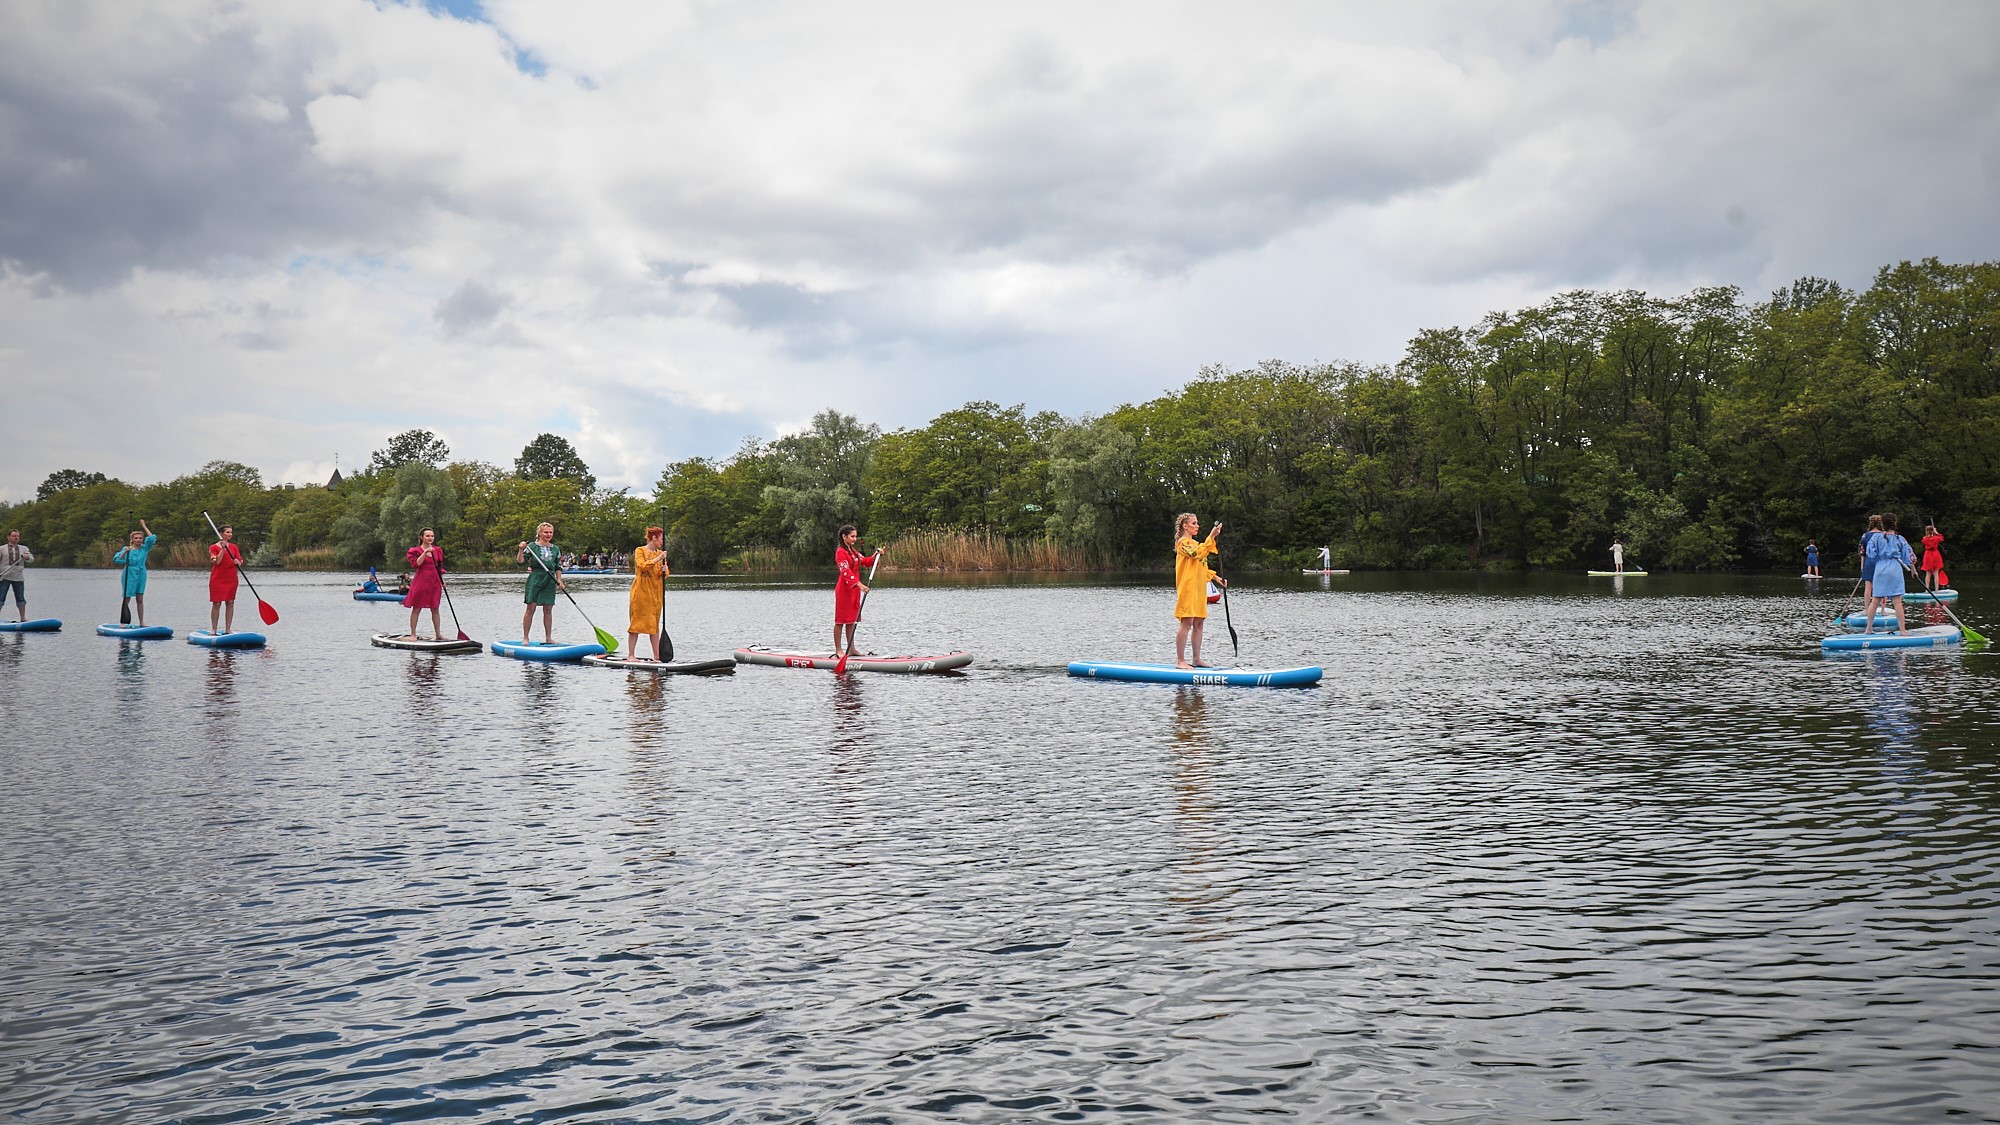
(649, 593)
(1191, 579)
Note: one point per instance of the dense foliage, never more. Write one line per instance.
(1705, 431)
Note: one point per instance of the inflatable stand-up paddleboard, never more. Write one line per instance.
(1168, 674)
(867, 662)
(1930, 636)
(1310, 570)
(719, 666)
(588, 570)
(1616, 573)
(415, 644)
(1814, 577)
(1945, 595)
(38, 625)
(546, 652)
(1860, 620)
(136, 632)
(376, 596)
(241, 638)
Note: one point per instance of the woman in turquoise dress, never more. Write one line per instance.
(132, 557)
(544, 562)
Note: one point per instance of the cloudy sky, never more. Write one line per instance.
(279, 230)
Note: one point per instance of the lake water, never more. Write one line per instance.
(1539, 848)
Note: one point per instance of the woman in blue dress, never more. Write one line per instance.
(1887, 554)
(132, 557)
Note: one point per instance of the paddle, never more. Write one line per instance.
(446, 590)
(264, 609)
(1972, 637)
(609, 642)
(1234, 648)
(840, 666)
(665, 656)
(125, 611)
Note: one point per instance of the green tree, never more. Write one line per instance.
(822, 479)
(1090, 473)
(551, 457)
(420, 496)
(411, 447)
(63, 479)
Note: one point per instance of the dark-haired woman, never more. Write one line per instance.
(426, 582)
(848, 587)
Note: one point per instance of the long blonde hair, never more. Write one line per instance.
(1181, 520)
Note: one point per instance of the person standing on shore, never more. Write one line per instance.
(848, 588)
(426, 561)
(14, 560)
(225, 560)
(544, 579)
(1933, 566)
(1191, 579)
(132, 559)
(648, 600)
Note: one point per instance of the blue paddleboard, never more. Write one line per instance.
(241, 638)
(1930, 636)
(38, 625)
(543, 651)
(1945, 595)
(136, 632)
(376, 596)
(1168, 674)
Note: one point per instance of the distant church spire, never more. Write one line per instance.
(334, 480)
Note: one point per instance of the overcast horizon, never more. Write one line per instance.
(273, 231)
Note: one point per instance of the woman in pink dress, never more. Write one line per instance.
(426, 582)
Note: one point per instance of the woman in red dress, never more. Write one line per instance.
(1933, 565)
(426, 582)
(225, 559)
(848, 588)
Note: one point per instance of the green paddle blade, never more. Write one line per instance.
(609, 642)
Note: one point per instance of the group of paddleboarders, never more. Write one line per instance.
(1885, 556)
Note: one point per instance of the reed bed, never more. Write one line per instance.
(312, 558)
(948, 549)
(762, 560)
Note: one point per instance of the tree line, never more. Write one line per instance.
(1705, 431)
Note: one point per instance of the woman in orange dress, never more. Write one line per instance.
(1191, 579)
(649, 594)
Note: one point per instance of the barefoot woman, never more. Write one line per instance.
(1191, 579)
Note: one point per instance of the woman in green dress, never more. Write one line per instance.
(544, 560)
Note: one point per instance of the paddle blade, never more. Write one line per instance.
(124, 613)
(1972, 637)
(667, 643)
(609, 642)
(267, 611)
(840, 666)
(462, 636)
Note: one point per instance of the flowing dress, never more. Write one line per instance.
(1192, 576)
(1933, 558)
(426, 578)
(847, 588)
(133, 559)
(649, 589)
(541, 577)
(1888, 553)
(225, 561)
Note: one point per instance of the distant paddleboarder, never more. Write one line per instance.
(1326, 558)
(1933, 564)
(1191, 579)
(1617, 556)
(1812, 558)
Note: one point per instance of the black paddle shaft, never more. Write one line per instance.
(1234, 647)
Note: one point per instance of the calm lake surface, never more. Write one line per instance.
(1539, 848)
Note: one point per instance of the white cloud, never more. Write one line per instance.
(279, 229)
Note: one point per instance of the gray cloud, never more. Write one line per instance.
(471, 306)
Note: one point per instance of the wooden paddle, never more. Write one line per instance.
(609, 642)
(264, 609)
(840, 666)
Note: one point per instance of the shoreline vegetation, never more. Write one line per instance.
(1707, 432)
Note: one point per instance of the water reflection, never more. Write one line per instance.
(1891, 702)
(648, 697)
(131, 671)
(219, 686)
(849, 726)
(10, 650)
(1197, 829)
(424, 686)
